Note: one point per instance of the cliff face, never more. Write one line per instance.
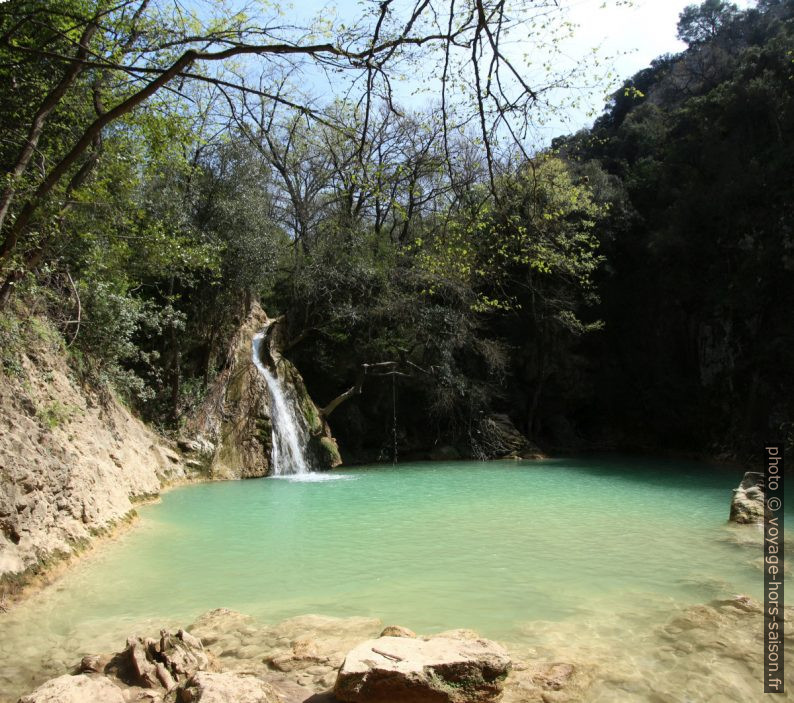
(232, 430)
(72, 463)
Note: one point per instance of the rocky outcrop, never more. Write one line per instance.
(552, 661)
(207, 687)
(397, 631)
(72, 463)
(231, 434)
(496, 437)
(173, 669)
(176, 668)
(413, 670)
(76, 689)
(296, 661)
(748, 503)
(322, 450)
(151, 663)
(231, 431)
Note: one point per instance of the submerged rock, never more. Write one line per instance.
(413, 670)
(748, 504)
(76, 689)
(304, 653)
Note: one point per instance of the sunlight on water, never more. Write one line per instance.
(501, 548)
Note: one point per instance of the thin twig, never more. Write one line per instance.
(79, 309)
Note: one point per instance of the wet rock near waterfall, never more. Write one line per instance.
(326, 451)
(748, 504)
(230, 429)
(231, 434)
(419, 670)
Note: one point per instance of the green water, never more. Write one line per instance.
(487, 546)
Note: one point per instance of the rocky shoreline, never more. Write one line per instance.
(705, 652)
(74, 463)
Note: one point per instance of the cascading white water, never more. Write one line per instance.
(289, 436)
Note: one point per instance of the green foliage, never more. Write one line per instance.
(55, 414)
(700, 271)
(10, 344)
(539, 230)
(665, 230)
(109, 349)
(701, 23)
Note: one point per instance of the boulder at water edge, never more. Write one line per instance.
(205, 687)
(748, 502)
(414, 670)
(397, 631)
(148, 663)
(76, 689)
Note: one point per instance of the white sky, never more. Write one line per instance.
(631, 33)
(634, 35)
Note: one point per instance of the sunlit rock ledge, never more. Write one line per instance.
(703, 653)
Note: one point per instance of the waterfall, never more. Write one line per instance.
(289, 435)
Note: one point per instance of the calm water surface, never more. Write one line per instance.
(487, 546)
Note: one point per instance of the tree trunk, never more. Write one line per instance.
(37, 126)
(176, 359)
(342, 397)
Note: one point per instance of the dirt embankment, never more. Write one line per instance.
(72, 463)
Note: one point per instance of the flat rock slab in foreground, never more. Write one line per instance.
(434, 670)
(76, 689)
(205, 687)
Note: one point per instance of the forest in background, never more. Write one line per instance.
(628, 288)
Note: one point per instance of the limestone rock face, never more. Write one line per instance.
(72, 462)
(231, 434)
(748, 504)
(232, 427)
(76, 689)
(413, 670)
(152, 664)
(205, 687)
